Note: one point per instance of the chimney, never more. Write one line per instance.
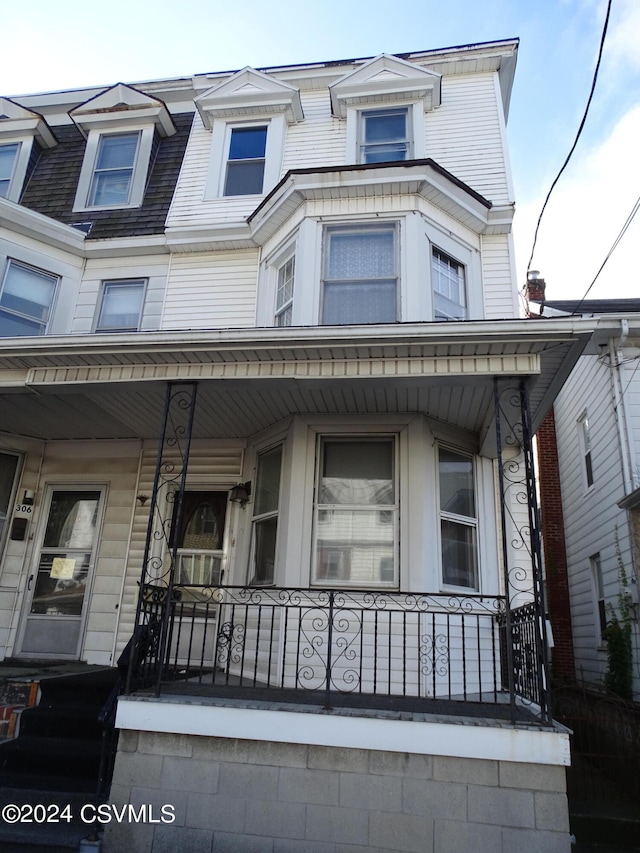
(535, 287)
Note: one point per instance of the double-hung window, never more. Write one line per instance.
(265, 517)
(449, 296)
(458, 519)
(8, 157)
(113, 171)
(360, 283)
(26, 300)
(585, 446)
(246, 160)
(284, 292)
(384, 136)
(356, 512)
(120, 308)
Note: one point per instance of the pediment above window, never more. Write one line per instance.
(121, 107)
(384, 80)
(17, 121)
(249, 93)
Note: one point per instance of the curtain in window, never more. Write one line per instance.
(121, 306)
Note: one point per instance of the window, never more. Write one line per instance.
(585, 446)
(246, 161)
(384, 136)
(26, 300)
(284, 292)
(201, 538)
(600, 606)
(360, 277)
(449, 301)
(265, 517)
(8, 156)
(356, 499)
(458, 521)
(121, 306)
(113, 171)
(8, 471)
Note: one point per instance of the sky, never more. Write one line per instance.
(72, 44)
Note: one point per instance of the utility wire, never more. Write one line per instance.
(621, 234)
(575, 142)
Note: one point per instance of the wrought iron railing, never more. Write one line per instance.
(330, 643)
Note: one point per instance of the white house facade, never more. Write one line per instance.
(266, 422)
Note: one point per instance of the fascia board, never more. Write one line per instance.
(29, 223)
(232, 232)
(122, 247)
(134, 115)
(35, 126)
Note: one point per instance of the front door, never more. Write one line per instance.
(57, 586)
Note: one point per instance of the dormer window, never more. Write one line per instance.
(384, 136)
(114, 168)
(8, 157)
(246, 160)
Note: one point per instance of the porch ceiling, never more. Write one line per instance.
(114, 386)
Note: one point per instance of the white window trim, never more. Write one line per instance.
(104, 286)
(9, 261)
(415, 127)
(20, 165)
(140, 168)
(218, 158)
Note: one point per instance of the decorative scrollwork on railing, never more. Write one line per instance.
(434, 655)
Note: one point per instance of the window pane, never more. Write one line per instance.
(244, 177)
(385, 153)
(201, 531)
(388, 126)
(15, 327)
(121, 306)
(111, 187)
(459, 554)
(7, 160)
(285, 282)
(114, 169)
(268, 481)
(366, 302)
(355, 546)
(448, 287)
(247, 143)
(456, 484)
(72, 520)
(117, 152)
(357, 473)
(265, 550)
(361, 255)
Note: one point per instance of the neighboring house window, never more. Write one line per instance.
(600, 606)
(585, 446)
(246, 161)
(384, 136)
(356, 512)
(8, 471)
(458, 520)
(449, 300)
(8, 156)
(284, 293)
(201, 538)
(360, 275)
(265, 517)
(25, 300)
(121, 306)
(113, 172)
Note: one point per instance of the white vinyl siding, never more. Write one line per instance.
(499, 281)
(212, 290)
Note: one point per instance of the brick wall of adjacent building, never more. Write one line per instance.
(236, 796)
(555, 555)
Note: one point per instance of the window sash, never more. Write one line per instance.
(8, 158)
(265, 517)
(246, 161)
(26, 300)
(284, 292)
(384, 136)
(448, 281)
(113, 172)
(121, 306)
(458, 519)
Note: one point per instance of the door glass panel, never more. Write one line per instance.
(61, 583)
(72, 520)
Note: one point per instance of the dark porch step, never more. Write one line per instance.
(87, 688)
(47, 721)
(623, 833)
(59, 761)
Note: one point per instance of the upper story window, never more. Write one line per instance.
(384, 136)
(585, 447)
(8, 157)
(356, 512)
(458, 519)
(284, 292)
(113, 171)
(26, 300)
(449, 292)
(120, 308)
(246, 160)
(360, 281)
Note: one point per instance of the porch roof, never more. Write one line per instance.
(112, 386)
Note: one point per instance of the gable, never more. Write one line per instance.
(249, 93)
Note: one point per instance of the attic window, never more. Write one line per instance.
(113, 172)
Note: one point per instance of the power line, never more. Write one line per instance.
(621, 234)
(575, 142)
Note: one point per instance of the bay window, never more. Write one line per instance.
(265, 517)
(356, 512)
(449, 297)
(458, 519)
(284, 292)
(360, 282)
(26, 300)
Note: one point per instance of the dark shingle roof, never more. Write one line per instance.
(594, 306)
(52, 186)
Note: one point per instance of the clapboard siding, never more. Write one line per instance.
(212, 290)
(320, 140)
(211, 465)
(593, 521)
(465, 135)
(500, 296)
